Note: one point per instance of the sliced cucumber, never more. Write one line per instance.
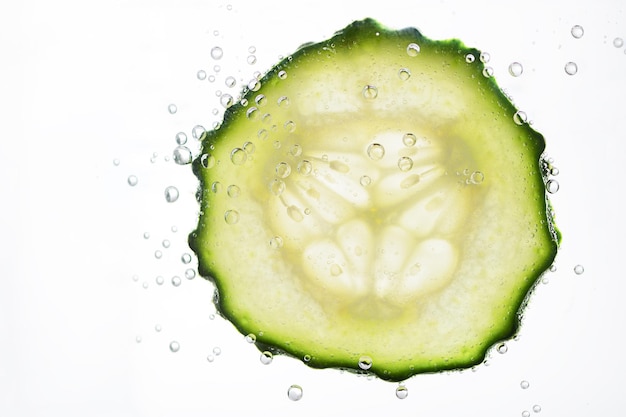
(371, 204)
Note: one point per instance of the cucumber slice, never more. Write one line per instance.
(372, 205)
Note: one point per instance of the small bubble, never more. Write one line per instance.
(290, 126)
(132, 180)
(477, 177)
(524, 384)
(211, 78)
(229, 7)
(294, 393)
(181, 138)
(226, 100)
(283, 101)
(176, 281)
(231, 216)
(552, 186)
(618, 42)
(210, 358)
(577, 31)
(276, 242)
(157, 327)
(185, 258)
(306, 358)
(207, 161)
(233, 191)
(413, 49)
(282, 74)
(365, 362)
(283, 169)
(579, 269)
(404, 74)
(158, 254)
(484, 57)
(250, 338)
(405, 163)
(174, 346)
(217, 351)
(409, 139)
(488, 72)
(165, 243)
(116, 162)
(230, 81)
(217, 52)
(238, 156)
(146, 235)
(554, 171)
(502, 348)
(172, 108)
(260, 100)
(135, 278)
(536, 408)
(217, 69)
(525, 413)
(402, 392)
(216, 187)
(266, 357)
(516, 69)
(254, 84)
(469, 58)
(553, 268)
(295, 213)
(571, 68)
(182, 155)
(197, 131)
(365, 180)
(159, 280)
(252, 49)
(138, 339)
(335, 270)
(376, 151)
(520, 118)
(295, 150)
(305, 167)
(251, 59)
(277, 187)
(252, 113)
(171, 194)
(249, 148)
(410, 181)
(201, 75)
(370, 92)
(211, 316)
(190, 273)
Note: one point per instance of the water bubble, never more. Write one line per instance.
(132, 180)
(552, 186)
(276, 242)
(233, 191)
(404, 74)
(207, 161)
(277, 187)
(484, 57)
(295, 150)
(171, 194)
(185, 258)
(252, 49)
(181, 138)
(376, 151)
(283, 169)
(469, 58)
(229, 7)
(571, 68)
(525, 413)
(339, 167)
(158, 254)
(294, 393)
(210, 358)
(226, 100)
(516, 69)
(172, 108)
(335, 270)
(217, 52)
(579, 269)
(197, 131)
(157, 327)
(250, 338)
(266, 357)
(520, 117)
(290, 126)
(553, 268)
(201, 75)
(231, 216)
(502, 348)
(254, 84)
(165, 243)
(211, 78)
(477, 177)
(174, 346)
(306, 358)
(251, 59)
(216, 187)
(159, 280)
(252, 113)
(305, 167)
(116, 162)
(146, 235)
(176, 281)
(295, 213)
(370, 92)
(260, 100)
(365, 362)
(230, 81)
(135, 278)
(413, 49)
(537, 408)
(402, 392)
(283, 101)
(487, 72)
(190, 273)
(138, 339)
(238, 156)
(405, 163)
(145, 285)
(182, 155)
(282, 74)
(217, 351)
(410, 181)
(524, 384)
(618, 42)
(249, 148)
(409, 139)
(577, 31)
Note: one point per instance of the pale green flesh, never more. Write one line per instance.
(422, 267)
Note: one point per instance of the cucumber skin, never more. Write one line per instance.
(361, 32)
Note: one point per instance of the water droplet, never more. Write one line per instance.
(132, 180)
(207, 161)
(198, 131)
(172, 108)
(283, 169)
(165, 243)
(158, 327)
(488, 72)
(252, 113)
(231, 216)
(217, 351)
(276, 242)
(190, 273)
(251, 59)
(146, 235)
(158, 254)
(250, 338)
(171, 194)
(537, 408)
(116, 162)
(254, 85)
(552, 186)
(404, 74)
(365, 180)
(201, 75)
(405, 163)
(305, 167)
(571, 68)
(238, 156)
(410, 181)
(185, 258)
(181, 138)
(295, 213)
(283, 101)
(484, 57)
(217, 52)
(176, 281)
(266, 357)
(524, 384)
(294, 393)
(159, 280)
(226, 100)
(618, 42)
(553, 268)
(477, 177)
(277, 187)
(579, 269)
(413, 49)
(376, 151)
(370, 92)
(233, 191)
(516, 69)
(290, 126)
(577, 31)
(230, 81)
(409, 139)
(295, 150)
(502, 348)
(182, 155)
(365, 362)
(520, 117)
(282, 74)
(174, 346)
(402, 392)
(525, 413)
(335, 270)
(210, 358)
(469, 58)
(216, 187)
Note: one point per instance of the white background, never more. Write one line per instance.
(83, 83)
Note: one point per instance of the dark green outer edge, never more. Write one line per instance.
(356, 32)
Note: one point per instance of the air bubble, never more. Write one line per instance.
(190, 273)
(211, 78)
(158, 254)
(201, 75)
(306, 358)
(370, 92)
(254, 84)
(404, 74)
(413, 49)
(166, 243)
(571, 68)
(182, 155)
(116, 162)
(335, 270)
(266, 357)
(524, 384)
(282, 74)
(249, 148)
(185, 258)
(207, 161)
(294, 393)
(176, 281)
(484, 57)
(409, 139)
(552, 186)
(295, 213)
(365, 181)
(260, 100)
(488, 72)
(283, 101)
(210, 358)
(146, 235)
(376, 151)
(516, 69)
(231, 216)
(305, 167)
(536, 408)
(402, 392)
(198, 131)
(250, 338)
(217, 351)
(238, 156)
(365, 362)
(226, 100)
(410, 181)
(157, 327)
(217, 52)
(577, 31)
(618, 42)
(233, 191)
(252, 49)
(469, 58)
(251, 59)
(405, 163)
(252, 113)
(295, 150)
(477, 177)
(171, 194)
(216, 187)
(181, 138)
(138, 339)
(174, 346)
(276, 242)
(132, 180)
(172, 108)
(579, 269)
(502, 348)
(283, 169)
(230, 81)
(520, 117)
(159, 280)
(277, 187)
